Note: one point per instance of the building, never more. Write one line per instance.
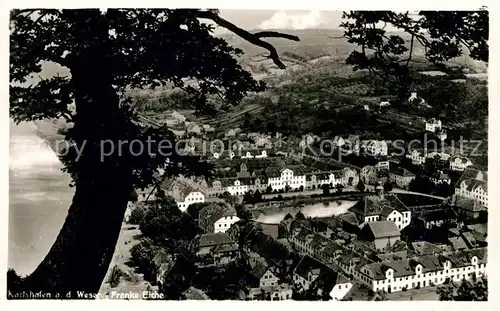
(382, 165)
(217, 218)
(185, 195)
(185, 192)
(226, 154)
(147, 194)
(306, 272)
(375, 148)
(193, 128)
(381, 234)
(416, 100)
(261, 275)
(473, 184)
(423, 248)
(381, 207)
(459, 164)
(422, 271)
(401, 177)
(233, 132)
(250, 154)
(214, 249)
(207, 128)
(433, 125)
(467, 207)
(280, 179)
(367, 174)
(440, 178)
(417, 156)
(178, 116)
(341, 287)
(279, 292)
(338, 141)
(438, 217)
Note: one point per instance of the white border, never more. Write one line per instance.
(494, 131)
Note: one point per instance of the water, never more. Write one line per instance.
(318, 210)
(39, 198)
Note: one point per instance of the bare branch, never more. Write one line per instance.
(252, 38)
(275, 34)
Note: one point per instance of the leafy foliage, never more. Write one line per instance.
(475, 289)
(442, 34)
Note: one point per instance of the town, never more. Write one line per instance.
(284, 218)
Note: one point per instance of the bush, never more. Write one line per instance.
(137, 215)
(114, 278)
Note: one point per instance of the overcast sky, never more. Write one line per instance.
(266, 19)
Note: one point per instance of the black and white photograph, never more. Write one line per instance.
(248, 155)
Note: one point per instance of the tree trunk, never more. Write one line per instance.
(80, 257)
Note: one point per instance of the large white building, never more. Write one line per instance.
(279, 179)
(473, 184)
(423, 271)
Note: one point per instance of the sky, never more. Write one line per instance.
(271, 19)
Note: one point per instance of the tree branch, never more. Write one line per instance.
(252, 38)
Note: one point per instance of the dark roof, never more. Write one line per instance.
(472, 173)
(270, 229)
(381, 229)
(308, 264)
(373, 205)
(399, 171)
(425, 248)
(469, 204)
(212, 239)
(439, 214)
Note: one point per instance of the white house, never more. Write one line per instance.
(341, 288)
(191, 198)
(459, 163)
(432, 125)
(376, 148)
(225, 154)
(417, 157)
(250, 154)
(217, 218)
(145, 194)
(443, 156)
(238, 188)
(338, 141)
(292, 177)
(440, 178)
(185, 193)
